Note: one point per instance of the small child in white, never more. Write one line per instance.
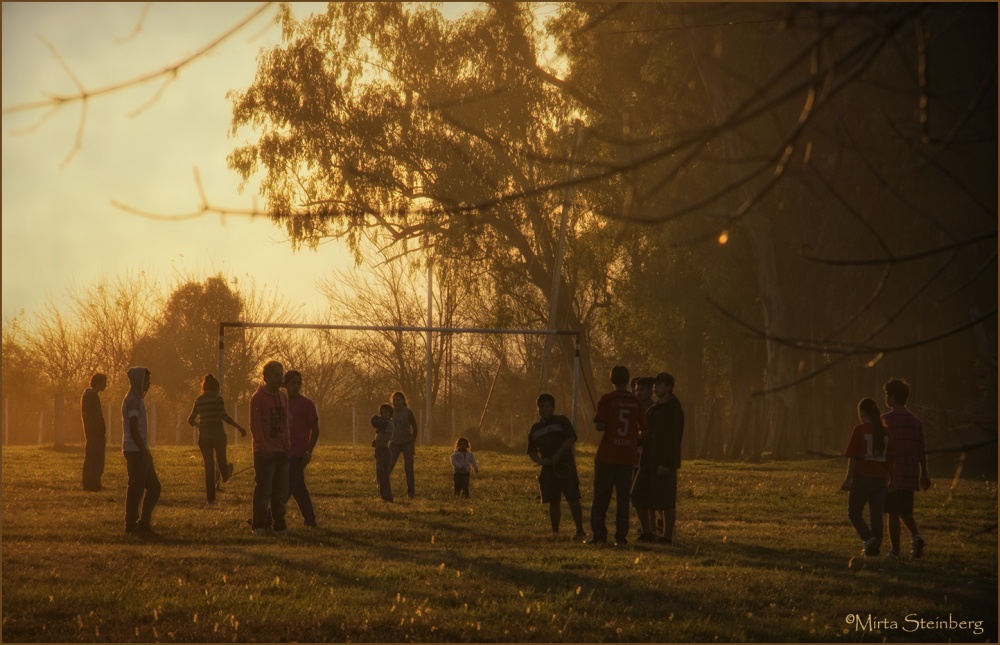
(464, 462)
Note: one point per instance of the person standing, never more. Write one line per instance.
(382, 423)
(208, 413)
(95, 432)
(463, 462)
(908, 465)
(303, 432)
(550, 445)
(404, 435)
(143, 485)
(619, 419)
(655, 488)
(866, 475)
(269, 435)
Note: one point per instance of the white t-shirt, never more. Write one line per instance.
(133, 407)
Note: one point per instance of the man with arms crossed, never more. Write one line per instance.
(269, 431)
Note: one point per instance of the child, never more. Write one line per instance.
(908, 469)
(208, 413)
(550, 445)
(866, 475)
(382, 423)
(463, 460)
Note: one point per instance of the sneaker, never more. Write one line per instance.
(580, 535)
(918, 547)
(282, 532)
(621, 542)
(261, 531)
(229, 472)
(143, 527)
(892, 555)
(662, 539)
(871, 547)
(646, 537)
(596, 540)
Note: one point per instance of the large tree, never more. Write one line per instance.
(389, 119)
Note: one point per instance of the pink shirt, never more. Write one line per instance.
(269, 421)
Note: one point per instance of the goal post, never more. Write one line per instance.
(427, 330)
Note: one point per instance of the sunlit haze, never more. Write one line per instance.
(59, 225)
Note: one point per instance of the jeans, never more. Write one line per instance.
(870, 491)
(297, 489)
(143, 486)
(93, 462)
(610, 478)
(213, 446)
(383, 468)
(270, 489)
(407, 450)
(462, 483)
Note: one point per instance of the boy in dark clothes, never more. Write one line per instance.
(550, 445)
(94, 431)
(655, 487)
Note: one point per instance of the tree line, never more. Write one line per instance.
(781, 204)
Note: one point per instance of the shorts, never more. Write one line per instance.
(554, 483)
(654, 491)
(899, 502)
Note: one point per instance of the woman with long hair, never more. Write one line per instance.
(208, 414)
(867, 473)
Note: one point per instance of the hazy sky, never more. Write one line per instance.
(59, 225)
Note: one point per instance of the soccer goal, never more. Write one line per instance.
(428, 422)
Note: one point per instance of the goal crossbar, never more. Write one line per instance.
(444, 330)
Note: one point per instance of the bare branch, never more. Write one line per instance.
(910, 257)
(138, 25)
(84, 96)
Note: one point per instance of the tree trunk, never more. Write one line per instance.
(778, 368)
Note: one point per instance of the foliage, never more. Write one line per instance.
(761, 555)
(388, 121)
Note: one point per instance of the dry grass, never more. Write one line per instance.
(761, 555)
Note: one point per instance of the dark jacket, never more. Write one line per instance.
(661, 443)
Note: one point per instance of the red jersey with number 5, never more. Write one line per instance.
(622, 416)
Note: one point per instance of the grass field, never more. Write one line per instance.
(761, 554)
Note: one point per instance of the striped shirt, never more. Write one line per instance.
(210, 411)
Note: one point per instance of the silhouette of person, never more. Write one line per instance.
(95, 432)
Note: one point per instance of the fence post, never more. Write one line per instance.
(354, 426)
(6, 423)
(41, 426)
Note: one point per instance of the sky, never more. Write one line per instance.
(60, 227)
